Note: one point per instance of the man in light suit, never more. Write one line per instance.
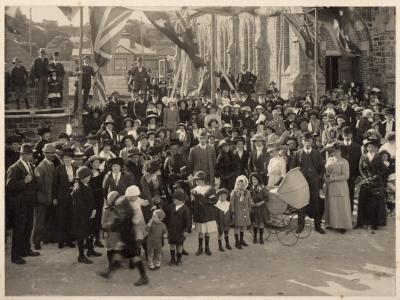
(202, 157)
(311, 165)
(44, 179)
(21, 190)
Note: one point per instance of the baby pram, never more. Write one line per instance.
(284, 202)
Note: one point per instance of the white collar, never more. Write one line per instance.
(224, 206)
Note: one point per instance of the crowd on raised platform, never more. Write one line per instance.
(151, 167)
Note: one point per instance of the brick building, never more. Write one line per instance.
(255, 41)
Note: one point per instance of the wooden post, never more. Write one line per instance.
(78, 115)
(141, 38)
(212, 57)
(316, 58)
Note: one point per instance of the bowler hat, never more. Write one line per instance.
(239, 139)
(67, 152)
(26, 149)
(49, 148)
(83, 172)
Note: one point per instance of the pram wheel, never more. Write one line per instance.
(305, 233)
(287, 233)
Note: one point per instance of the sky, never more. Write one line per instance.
(54, 13)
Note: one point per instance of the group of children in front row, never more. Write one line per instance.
(126, 231)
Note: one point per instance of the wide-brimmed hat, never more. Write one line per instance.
(107, 142)
(115, 161)
(332, 146)
(239, 139)
(79, 155)
(127, 137)
(175, 142)
(389, 111)
(26, 149)
(83, 172)
(223, 143)
(256, 175)
(109, 122)
(200, 175)
(212, 120)
(128, 119)
(49, 148)
(258, 137)
(16, 59)
(259, 107)
(95, 157)
(178, 195)
(273, 147)
(151, 116)
(42, 50)
(182, 124)
(372, 141)
(150, 133)
(222, 191)
(152, 167)
(133, 152)
(154, 151)
(226, 105)
(246, 108)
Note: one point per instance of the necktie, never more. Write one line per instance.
(116, 179)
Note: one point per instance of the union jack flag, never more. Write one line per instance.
(107, 24)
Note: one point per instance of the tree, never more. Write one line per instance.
(63, 45)
(51, 33)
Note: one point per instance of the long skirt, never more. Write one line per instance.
(371, 207)
(338, 212)
(260, 215)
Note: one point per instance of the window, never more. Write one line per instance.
(286, 45)
(120, 64)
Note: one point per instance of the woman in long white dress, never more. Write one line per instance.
(276, 166)
(337, 213)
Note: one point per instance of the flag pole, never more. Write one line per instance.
(30, 35)
(80, 104)
(141, 38)
(316, 58)
(212, 57)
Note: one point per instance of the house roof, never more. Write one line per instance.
(85, 51)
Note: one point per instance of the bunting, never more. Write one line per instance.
(185, 39)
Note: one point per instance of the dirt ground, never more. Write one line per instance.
(357, 263)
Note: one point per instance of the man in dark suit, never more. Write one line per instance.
(241, 155)
(202, 157)
(116, 179)
(63, 183)
(138, 77)
(21, 189)
(246, 80)
(259, 158)
(19, 81)
(311, 165)
(60, 72)
(44, 183)
(352, 152)
(44, 135)
(87, 74)
(39, 73)
(347, 111)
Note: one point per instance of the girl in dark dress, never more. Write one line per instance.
(260, 213)
(96, 182)
(83, 214)
(184, 113)
(371, 200)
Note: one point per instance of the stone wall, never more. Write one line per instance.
(30, 124)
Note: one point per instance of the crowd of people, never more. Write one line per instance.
(150, 168)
